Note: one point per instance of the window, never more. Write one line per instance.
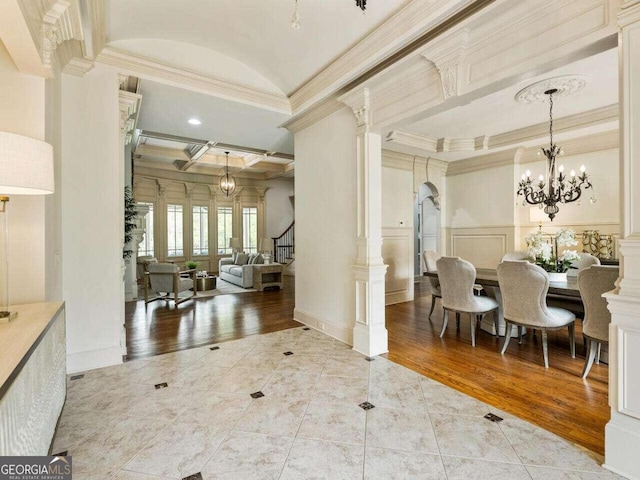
(174, 231)
(146, 247)
(250, 229)
(225, 230)
(200, 230)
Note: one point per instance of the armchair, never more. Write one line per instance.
(165, 279)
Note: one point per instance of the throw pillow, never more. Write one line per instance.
(252, 259)
(259, 259)
(242, 259)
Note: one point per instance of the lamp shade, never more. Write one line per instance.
(266, 244)
(26, 165)
(234, 242)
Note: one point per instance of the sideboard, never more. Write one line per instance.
(32, 378)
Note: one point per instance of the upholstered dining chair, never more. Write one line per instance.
(457, 277)
(430, 258)
(165, 280)
(515, 256)
(586, 260)
(524, 288)
(592, 283)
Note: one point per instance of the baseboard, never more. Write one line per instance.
(398, 297)
(338, 332)
(105, 357)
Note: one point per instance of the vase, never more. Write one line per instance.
(557, 277)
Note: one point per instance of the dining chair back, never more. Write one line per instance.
(430, 258)
(586, 260)
(514, 256)
(524, 288)
(457, 277)
(592, 283)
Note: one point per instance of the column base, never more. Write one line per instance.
(622, 444)
(370, 341)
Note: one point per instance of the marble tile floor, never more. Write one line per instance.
(122, 423)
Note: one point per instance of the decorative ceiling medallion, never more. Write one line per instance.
(564, 85)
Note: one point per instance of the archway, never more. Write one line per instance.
(426, 221)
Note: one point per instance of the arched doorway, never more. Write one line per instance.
(426, 221)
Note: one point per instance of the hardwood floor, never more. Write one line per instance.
(163, 328)
(556, 399)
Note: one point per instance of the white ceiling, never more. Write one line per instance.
(500, 112)
(167, 109)
(257, 33)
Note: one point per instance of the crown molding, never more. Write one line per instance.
(437, 145)
(578, 121)
(313, 115)
(578, 146)
(179, 77)
(483, 162)
(403, 161)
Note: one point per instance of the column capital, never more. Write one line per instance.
(162, 186)
(448, 55)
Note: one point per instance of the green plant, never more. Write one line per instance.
(130, 214)
(191, 265)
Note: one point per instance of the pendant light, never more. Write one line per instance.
(227, 182)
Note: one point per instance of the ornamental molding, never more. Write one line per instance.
(129, 104)
(448, 55)
(147, 67)
(313, 115)
(359, 101)
(404, 161)
(437, 145)
(162, 186)
(483, 162)
(565, 85)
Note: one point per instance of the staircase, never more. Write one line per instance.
(284, 250)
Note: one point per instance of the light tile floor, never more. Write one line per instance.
(308, 425)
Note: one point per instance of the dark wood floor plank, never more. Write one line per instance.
(556, 399)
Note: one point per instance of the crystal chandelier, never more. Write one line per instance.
(556, 187)
(295, 20)
(227, 182)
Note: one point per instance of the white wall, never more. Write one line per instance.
(92, 218)
(22, 112)
(397, 232)
(326, 224)
(278, 207)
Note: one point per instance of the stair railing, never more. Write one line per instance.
(284, 245)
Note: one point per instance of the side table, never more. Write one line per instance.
(265, 276)
(206, 283)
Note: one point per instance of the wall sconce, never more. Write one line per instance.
(26, 167)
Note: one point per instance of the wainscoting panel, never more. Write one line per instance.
(397, 252)
(483, 246)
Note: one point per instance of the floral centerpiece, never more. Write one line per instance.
(544, 253)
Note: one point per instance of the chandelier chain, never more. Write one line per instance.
(551, 120)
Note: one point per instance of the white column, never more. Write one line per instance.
(622, 433)
(369, 333)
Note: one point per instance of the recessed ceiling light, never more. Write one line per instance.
(194, 121)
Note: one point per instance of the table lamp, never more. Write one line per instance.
(235, 244)
(26, 168)
(265, 247)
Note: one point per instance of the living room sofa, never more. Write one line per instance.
(239, 269)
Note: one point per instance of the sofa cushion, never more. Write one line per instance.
(225, 268)
(235, 270)
(256, 259)
(242, 259)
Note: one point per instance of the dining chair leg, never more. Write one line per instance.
(572, 339)
(457, 320)
(520, 334)
(444, 322)
(598, 354)
(588, 361)
(507, 336)
(473, 329)
(545, 349)
(433, 305)
(496, 323)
